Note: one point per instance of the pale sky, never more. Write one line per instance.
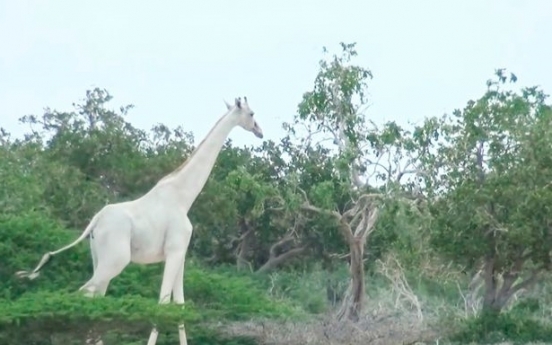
(177, 60)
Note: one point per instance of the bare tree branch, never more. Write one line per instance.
(531, 280)
(288, 238)
(367, 226)
(273, 262)
(276, 259)
(361, 202)
(309, 207)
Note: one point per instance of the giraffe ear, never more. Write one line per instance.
(238, 102)
(228, 106)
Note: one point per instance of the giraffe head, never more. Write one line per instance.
(244, 115)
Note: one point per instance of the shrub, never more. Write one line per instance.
(517, 325)
(50, 307)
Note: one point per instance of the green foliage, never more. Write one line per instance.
(517, 325)
(23, 240)
(232, 297)
(73, 308)
(337, 89)
(510, 133)
(43, 315)
(493, 185)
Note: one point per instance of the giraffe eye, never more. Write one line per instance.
(252, 113)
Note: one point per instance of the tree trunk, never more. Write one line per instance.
(490, 279)
(491, 306)
(498, 294)
(362, 216)
(243, 249)
(353, 301)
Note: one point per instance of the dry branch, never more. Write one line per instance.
(275, 258)
(393, 271)
(274, 262)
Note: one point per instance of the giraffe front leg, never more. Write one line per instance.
(178, 298)
(172, 266)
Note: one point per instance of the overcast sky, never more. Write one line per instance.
(176, 60)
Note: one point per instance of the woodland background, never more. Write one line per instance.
(341, 232)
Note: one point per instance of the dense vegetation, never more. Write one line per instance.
(341, 223)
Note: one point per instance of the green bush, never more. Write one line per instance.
(50, 307)
(23, 240)
(40, 315)
(518, 325)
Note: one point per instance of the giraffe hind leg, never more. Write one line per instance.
(110, 255)
(94, 255)
(110, 251)
(107, 268)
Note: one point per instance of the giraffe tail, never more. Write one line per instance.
(46, 257)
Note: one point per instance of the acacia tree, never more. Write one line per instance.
(490, 190)
(370, 164)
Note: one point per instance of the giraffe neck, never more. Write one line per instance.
(189, 179)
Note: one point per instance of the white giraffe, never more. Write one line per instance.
(156, 227)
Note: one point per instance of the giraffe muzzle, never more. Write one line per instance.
(257, 131)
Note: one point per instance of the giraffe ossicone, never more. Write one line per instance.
(155, 227)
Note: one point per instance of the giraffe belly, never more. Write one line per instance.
(147, 258)
(146, 251)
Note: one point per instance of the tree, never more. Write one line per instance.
(368, 164)
(490, 191)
